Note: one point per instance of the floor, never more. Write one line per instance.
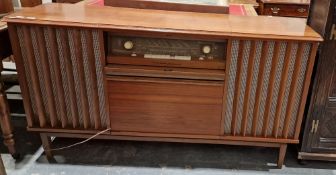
(106, 157)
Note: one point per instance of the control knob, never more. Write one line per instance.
(206, 49)
(128, 45)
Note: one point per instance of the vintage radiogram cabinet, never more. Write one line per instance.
(156, 75)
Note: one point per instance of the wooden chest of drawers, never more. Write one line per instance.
(288, 8)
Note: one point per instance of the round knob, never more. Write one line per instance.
(206, 49)
(128, 45)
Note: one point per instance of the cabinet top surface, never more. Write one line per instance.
(166, 21)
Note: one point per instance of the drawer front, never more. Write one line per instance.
(165, 106)
(286, 10)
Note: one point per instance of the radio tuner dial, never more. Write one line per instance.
(128, 45)
(206, 49)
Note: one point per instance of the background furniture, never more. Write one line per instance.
(6, 6)
(30, 3)
(288, 8)
(5, 47)
(319, 137)
(5, 122)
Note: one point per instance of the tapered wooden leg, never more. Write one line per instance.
(5, 122)
(2, 167)
(282, 154)
(46, 144)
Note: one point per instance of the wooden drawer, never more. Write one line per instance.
(289, 10)
(153, 105)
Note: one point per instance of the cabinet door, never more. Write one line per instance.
(156, 105)
(322, 109)
(324, 140)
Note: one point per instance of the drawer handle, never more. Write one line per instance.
(332, 99)
(301, 10)
(275, 10)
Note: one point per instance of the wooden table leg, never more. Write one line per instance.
(5, 122)
(2, 167)
(282, 154)
(46, 143)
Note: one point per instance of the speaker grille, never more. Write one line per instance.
(263, 77)
(64, 76)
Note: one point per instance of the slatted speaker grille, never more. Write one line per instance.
(265, 83)
(64, 77)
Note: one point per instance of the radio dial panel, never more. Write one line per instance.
(166, 52)
(126, 46)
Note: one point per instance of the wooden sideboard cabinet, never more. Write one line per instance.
(287, 8)
(319, 136)
(141, 74)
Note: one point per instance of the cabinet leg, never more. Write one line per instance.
(5, 122)
(282, 154)
(46, 143)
